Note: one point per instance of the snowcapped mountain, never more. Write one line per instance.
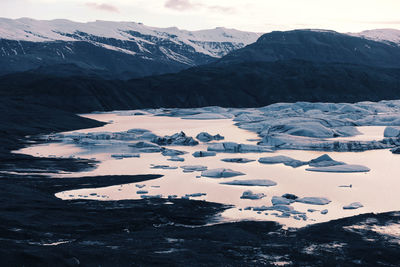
(128, 49)
(381, 35)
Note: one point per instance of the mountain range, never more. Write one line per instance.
(125, 50)
(119, 50)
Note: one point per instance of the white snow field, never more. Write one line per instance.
(202, 41)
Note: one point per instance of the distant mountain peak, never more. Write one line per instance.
(381, 35)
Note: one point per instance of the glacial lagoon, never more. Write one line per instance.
(311, 126)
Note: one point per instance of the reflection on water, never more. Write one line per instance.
(376, 190)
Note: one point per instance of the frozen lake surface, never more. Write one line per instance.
(376, 189)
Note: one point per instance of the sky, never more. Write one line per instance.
(248, 15)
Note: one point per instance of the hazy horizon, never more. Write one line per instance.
(182, 28)
(245, 15)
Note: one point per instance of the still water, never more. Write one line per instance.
(377, 190)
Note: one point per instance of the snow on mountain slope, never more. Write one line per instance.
(381, 35)
(215, 42)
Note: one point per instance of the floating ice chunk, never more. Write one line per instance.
(143, 144)
(179, 139)
(353, 206)
(237, 148)
(324, 161)
(285, 141)
(149, 150)
(238, 160)
(290, 196)
(288, 161)
(176, 159)
(283, 208)
(306, 127)
(171, 152)
(142, 192)
(220, 173)
(147, 136)
(391, 131)
(275, 159)
(262, 208)
(250, 195)
(283, 215)
(281, 201)
(200, 154)
(196, 195)
(395, 150)
(206, 137)
(260, 182)
(249, 118)
(145, 147)
(121, 156)
(208, 116)
(193, 168)
(150, 196)
(164, 167)
(314, 200)
(138, 131)
(340, 168)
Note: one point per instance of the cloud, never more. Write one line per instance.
(103, 7)
(182, 5)
(221, 9)
(179, 4)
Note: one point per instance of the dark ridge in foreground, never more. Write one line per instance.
(247, 84)
(38, 229)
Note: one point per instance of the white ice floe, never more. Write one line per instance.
(150, 196)
(237, 148)
(121, 156)
(171, 152)
(200, 154)
(276, 200)
(237, 160)
(193, 168)
(282, 159)
(174, 158)
(196, 195)
(250, 195)
(220, 173)
(164, 167)
(260, 182)
(314, 200)
(353, 206)
(324, 161)
(206, 137)
(177, 139)
(340, 168)
(208, 116)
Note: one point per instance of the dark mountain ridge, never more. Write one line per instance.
(316, 46)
